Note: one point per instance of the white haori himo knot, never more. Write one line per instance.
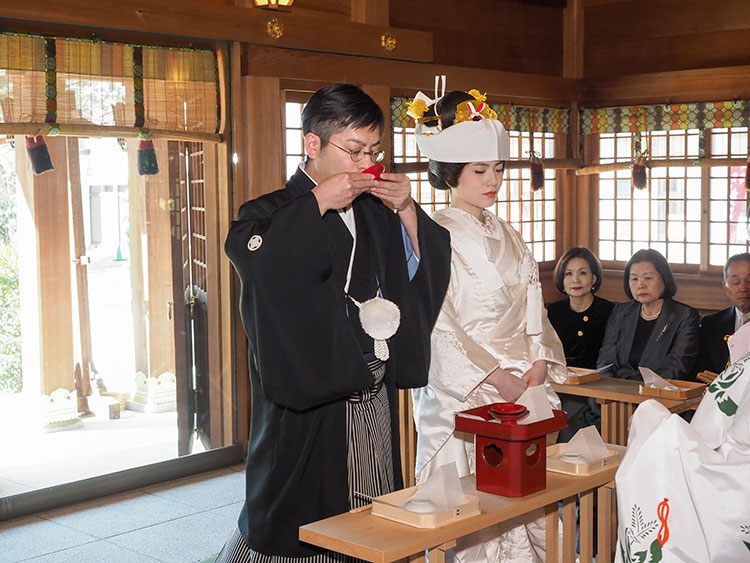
(534, 306)
(380, 319)
(528, 272)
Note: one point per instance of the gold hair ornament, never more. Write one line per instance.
(478, 96)
(416, 108)
(473, 111)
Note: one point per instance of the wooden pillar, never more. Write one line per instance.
(574, 206)
(263, 135)
(137, 245)
(238, 190)
(376, 12)
(573, 39)
(44, 269)
(214, 163)
(382, 95)
(370, 11)
(151, 264)
(81, 269)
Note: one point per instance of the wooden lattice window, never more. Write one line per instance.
(533, 214)
(666, 215)
(728, 200)
(295, 149)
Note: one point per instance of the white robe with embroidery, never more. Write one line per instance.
(683, 490)
(482, 325)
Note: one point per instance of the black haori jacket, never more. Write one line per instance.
(305, 357)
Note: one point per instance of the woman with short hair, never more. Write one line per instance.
(580, 320)
(651, 329)
(581, 316)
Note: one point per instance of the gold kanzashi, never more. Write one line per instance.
(416, 108)
(478, 95)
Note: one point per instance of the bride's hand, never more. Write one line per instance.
(536, 374)
(508, 385)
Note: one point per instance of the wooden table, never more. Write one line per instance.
(362, 535)
(619, 398)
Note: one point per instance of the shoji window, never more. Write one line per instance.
(666, 215)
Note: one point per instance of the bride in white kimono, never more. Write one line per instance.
(492, 338)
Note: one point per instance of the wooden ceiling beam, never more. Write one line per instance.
(302, 29)
(503, 87)
(714, 84)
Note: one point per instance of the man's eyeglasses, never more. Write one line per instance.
(358, 154)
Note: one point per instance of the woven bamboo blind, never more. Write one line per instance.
(66, 85)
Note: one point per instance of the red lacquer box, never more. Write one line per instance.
(511, 457)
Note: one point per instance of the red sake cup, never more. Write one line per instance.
(507, 412)
(376, 170)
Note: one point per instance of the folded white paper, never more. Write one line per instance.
(739, 343)
(471, 416)
(652, 379)
(585, 446)
(442, 490)
(535, 399)
(605, 371)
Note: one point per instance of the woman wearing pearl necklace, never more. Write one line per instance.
(652, 329)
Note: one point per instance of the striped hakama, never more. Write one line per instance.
(369, 466)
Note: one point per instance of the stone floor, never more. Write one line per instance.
(33, 459)
(181, 521)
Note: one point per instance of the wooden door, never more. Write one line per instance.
(186, 160)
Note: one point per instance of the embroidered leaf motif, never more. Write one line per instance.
(640, 528)
(727, 378)
(727, 406)
(745, 529)
(656, 553)
(747, 545)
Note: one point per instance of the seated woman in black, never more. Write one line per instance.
(581, 317)
(580, 320)
(651, 329)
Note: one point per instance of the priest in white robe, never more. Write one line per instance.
(683, 490)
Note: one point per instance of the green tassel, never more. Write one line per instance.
(39, 155)
(147, 164)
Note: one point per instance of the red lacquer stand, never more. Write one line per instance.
(511, 459)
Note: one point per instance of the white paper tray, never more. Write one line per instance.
(580, 469)
(387, 506)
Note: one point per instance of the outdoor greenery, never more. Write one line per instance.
(10, 322)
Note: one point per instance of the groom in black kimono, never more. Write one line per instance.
(307, 255)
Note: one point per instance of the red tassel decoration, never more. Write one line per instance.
(147, 164)
(639, 172)
(39, 155)
(537, 172)
(747, 175)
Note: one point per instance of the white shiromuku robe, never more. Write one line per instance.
(683, 490)
(483, 325)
